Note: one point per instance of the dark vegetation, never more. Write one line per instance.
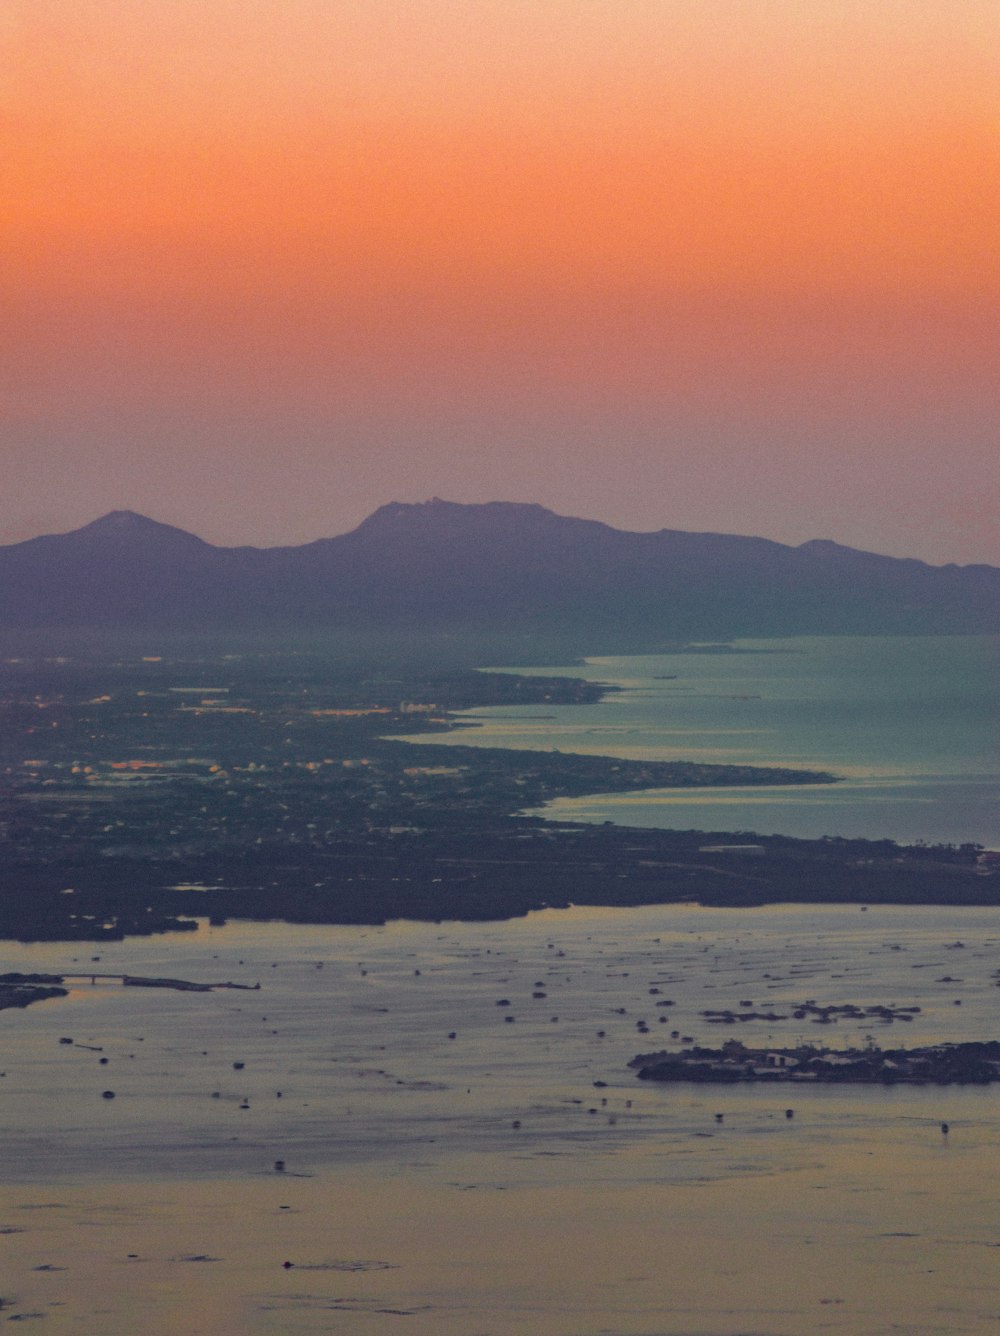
(141, 792)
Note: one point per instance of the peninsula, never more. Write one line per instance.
(141, 792)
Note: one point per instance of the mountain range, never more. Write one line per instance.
(516, 569)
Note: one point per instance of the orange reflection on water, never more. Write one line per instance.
(856, 1236)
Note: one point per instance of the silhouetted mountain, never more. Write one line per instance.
(503, 568)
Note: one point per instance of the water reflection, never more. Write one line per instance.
(515, 1176)
(910, 721)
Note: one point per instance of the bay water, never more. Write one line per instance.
(910, 725)
(434, 1127)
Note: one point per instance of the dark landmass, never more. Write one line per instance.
(533, 585)
(20, 990)
(139, 795)
(942, 1064)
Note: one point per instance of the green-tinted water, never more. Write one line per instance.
(912, 724)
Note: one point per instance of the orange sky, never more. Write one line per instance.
(714, 264)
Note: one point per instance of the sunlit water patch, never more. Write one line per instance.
(462, 1143)
(912, 724)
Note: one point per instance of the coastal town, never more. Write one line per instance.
(140, 794)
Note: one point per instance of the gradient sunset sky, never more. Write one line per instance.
(726, 265)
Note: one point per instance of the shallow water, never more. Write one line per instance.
(911, 724)
(409, 1196)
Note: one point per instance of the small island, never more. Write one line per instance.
(975, 1063)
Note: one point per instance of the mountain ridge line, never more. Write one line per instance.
(514, 567)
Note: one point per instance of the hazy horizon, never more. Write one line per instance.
(715, 268)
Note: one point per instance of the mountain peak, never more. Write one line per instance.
(130, 525)
(436, 508)
(823, 545)
(828, 551)
(119, 521)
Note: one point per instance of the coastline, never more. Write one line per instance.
(277, 793)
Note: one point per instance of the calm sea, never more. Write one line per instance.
(911, 724)
(436, 1128)
(433, 1127)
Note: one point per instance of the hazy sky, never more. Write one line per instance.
(699, 264)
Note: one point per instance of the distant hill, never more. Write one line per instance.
(503, 568)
